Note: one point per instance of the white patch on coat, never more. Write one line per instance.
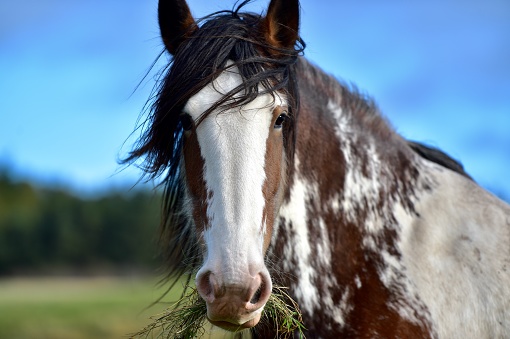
(329, 282)
(298, 251)
(343, 120)
(357, 281)
(298, 246)
(358, 188)
(456, 254)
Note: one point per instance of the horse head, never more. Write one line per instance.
(234, 122)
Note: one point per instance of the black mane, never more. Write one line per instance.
(437, 156)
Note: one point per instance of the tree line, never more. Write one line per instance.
(46, 230)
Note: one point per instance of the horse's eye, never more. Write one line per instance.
(280, 120)
(186, 121)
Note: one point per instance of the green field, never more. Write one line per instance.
(81, 308)
(76, 308)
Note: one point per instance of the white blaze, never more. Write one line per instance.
(233, 145)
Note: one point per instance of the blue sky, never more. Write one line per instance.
(439, 70)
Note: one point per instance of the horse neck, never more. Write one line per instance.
(352, 178)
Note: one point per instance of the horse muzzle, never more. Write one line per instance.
(237, 304)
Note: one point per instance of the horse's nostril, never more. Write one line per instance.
(256, 297)
(204, 285)
(261, 295)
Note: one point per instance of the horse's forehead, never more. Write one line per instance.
(230, 80)
(213, 92)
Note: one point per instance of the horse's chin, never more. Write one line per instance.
(235, 327)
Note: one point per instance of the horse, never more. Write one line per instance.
(275, 172)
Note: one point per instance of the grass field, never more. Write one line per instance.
(81, 308)
(77, 308)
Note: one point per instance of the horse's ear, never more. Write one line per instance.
(175, 23)
(281, 24)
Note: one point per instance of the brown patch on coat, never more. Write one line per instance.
(320, 161)
(274, 169)
(194, 166)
